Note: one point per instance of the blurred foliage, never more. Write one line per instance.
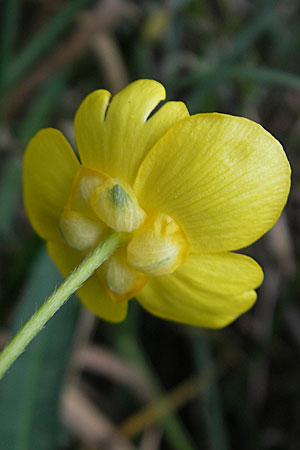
(27, 392)
(228, 389)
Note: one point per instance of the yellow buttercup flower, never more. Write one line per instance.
(188, 190)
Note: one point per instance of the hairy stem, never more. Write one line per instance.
(53, 303)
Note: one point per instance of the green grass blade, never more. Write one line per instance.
(41, 42)
(211, 399)
(9, 195)
(127, 343)
(38, 112)
(30, 392)
(9, 24)
(209, 80)
(250, 73)
(264, 75)
(250, 32)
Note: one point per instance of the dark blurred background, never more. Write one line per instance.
(149, 384)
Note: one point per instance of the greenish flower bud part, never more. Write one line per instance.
(120, 278)
(83, 188)
(159, 247)
(80, 232)
(115, 203)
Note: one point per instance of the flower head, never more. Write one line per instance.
(188, 190)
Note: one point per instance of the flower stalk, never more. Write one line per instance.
(56, 300)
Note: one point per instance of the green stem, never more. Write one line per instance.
(52, 304)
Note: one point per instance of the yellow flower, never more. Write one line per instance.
(189, 190)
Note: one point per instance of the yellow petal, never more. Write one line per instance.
(224, 179)
(117, 143)
(223, 273)
(92, 294)
(208, 290)
(89, 128)
(50, 166)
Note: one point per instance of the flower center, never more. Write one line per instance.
(98, 204)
